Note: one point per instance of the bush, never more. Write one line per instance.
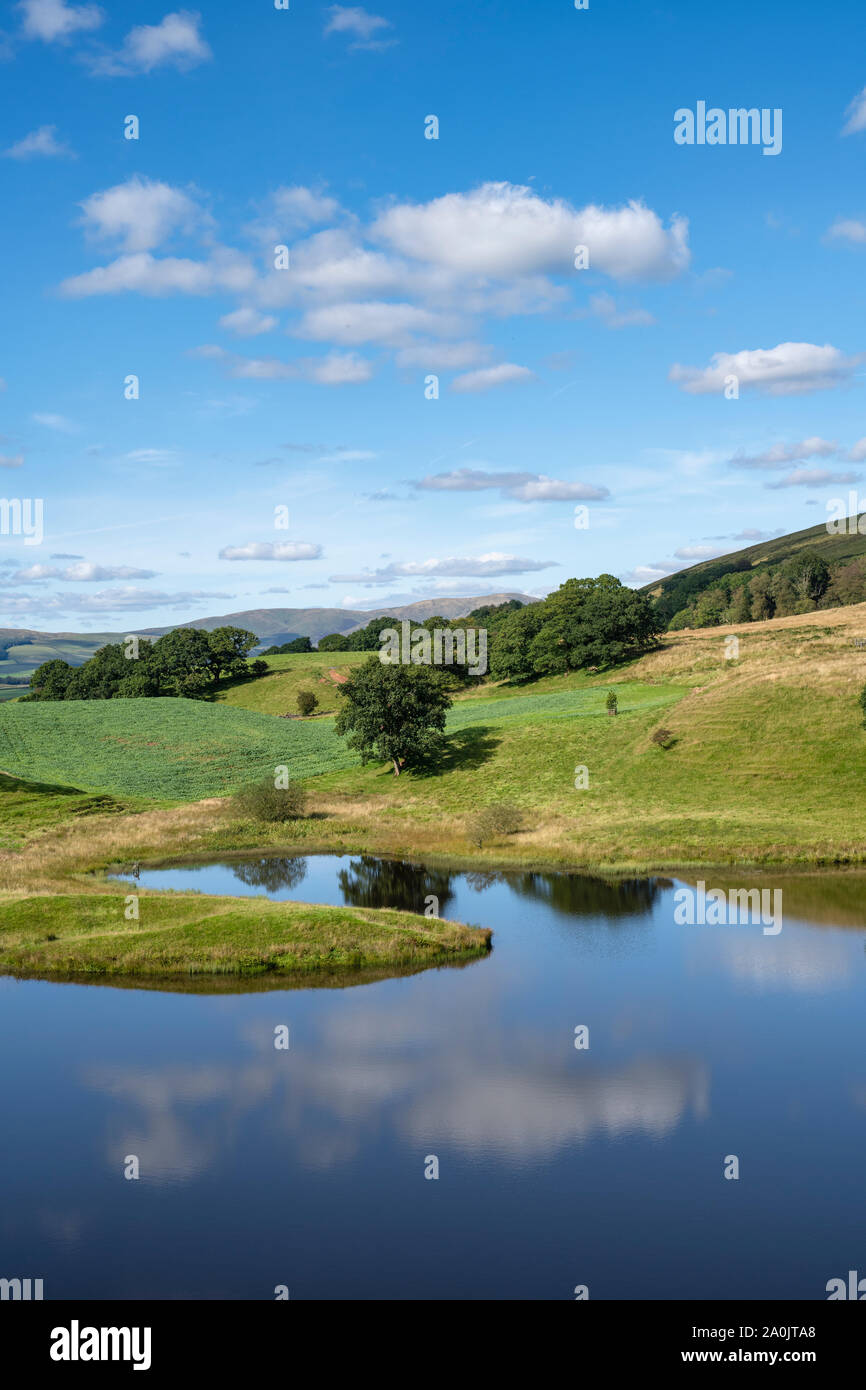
(265, 802)
(663, 738)
(307, 702)
(610, 702)
(491, 821)
(863, 704)
(259, 667)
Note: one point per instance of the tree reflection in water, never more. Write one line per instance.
(392, 883)
(271, 873)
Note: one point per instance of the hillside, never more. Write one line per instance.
(676, 590)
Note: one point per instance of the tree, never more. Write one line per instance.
(335, 642)
(393, 713)
(228, 649)
(808, 573)
(307, 702)
(297, 644)
(50, 681)
(763, 602)
(179, 655)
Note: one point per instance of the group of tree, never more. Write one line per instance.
(297, 644)
(801, 584)
(186, 662)
(585, 623)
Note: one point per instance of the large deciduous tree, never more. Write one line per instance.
(393, 713)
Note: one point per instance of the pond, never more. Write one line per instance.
(560, 1164)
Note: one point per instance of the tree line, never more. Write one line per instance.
(186, 662)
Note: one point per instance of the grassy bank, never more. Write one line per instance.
(188, 934)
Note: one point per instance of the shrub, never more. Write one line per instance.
(501, 818)
(610, 702)
(265, 802)
(663, 738)
(863, 704)
(259, 667)
(307, 701)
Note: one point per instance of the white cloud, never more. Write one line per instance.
(503, 229)
(337, 369)
(175, 42)
(122, 600)
(604, 307)
(56, 422)
(442, 357)
(813, 477)
(248, 323)
(786, 370)
(488, 565)
(85, 572)
(292, 209)
(374, 322)
(140, 213)
(847, 229)
(779, 455)
(523, 487)
(488, 377)
(857, 454)
(699, 552)
(269, 550)
(856, 114)
(143, 273)
(11, 460)
(39, 143)
(360, 24)
(54, 20)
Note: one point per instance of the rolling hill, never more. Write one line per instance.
(23, 649)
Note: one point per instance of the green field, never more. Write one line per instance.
(277, 692)
(184, 750)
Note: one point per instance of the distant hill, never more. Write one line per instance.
(25, 648)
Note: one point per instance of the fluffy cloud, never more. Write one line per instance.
(813, 477)
(85, 572)
(360, 24)
(503, 230)
(39, 143)
(376, 322)
(143, 273)
(124, 600)
(11, 460)
(780, 455)
(847, 229)
(604, 307)
(269, 550)
(488, 377)
(856, 114)
(141, 213)
(454, 566)
(247, 323)
(858, 453)
(55, 21)
(523, 487)
(789, 369)
(175, 42)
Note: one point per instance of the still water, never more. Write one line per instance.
(558, 1166)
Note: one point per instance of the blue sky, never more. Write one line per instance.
(304, 388)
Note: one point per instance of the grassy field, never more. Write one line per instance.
(187, 749)
(767, 766)
(186, 933)
(165, 749)
(277, 692)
